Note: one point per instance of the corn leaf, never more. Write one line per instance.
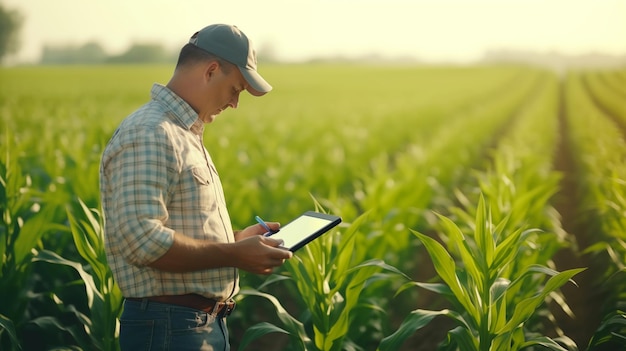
(31, 232)
(498, 304)
(482, 235)
(546, 342)
(414, 321)
(527, 307)
(90, 287)
(508, 248)
(90, 246)
(463, 338)
(344, 252)
(445, 267)
(292, 326)
(257, 331)
(52, 323)
(438, 288)
(7, 324)
(468, 257)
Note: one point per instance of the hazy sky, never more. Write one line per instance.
(452, 30)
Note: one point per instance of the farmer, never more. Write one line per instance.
(169, 239)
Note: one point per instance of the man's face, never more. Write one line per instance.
(222, 88)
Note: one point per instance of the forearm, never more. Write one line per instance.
(252, 252)
(187, 254)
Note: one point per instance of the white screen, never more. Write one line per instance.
(299, 229)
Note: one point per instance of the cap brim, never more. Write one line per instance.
(257, 86)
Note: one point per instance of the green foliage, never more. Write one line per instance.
(104, 299)
(25, 218)
(293, 327)
(385, 156)
(491, 312)
(596, 108)
(7, 326)
(330, 276)
(611, 333)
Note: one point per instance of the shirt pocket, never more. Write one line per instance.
(203, 193)
(202, 176)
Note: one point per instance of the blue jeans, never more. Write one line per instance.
(147, 325)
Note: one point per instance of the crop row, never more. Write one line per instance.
(597, 117)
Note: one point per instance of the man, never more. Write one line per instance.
(169, 238)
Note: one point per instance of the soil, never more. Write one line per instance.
(584, 300)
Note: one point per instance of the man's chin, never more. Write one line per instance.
(209, 118)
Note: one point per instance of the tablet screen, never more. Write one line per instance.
(305, 228)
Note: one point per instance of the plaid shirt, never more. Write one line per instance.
(156, 178)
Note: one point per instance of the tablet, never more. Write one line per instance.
(305, 228)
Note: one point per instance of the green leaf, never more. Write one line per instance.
(51, 323)
(356, 277)
(482, 234)
(438, 288)
(414, 321)
(545, 342)
(344, 252)
(445, 267)
(90, 286)
(7, 324)
(467, 256)
(257, 331)
(498, 288)
(498, 304)
(308, 284)
(378, 264)
(292, 326)
(274, 278)
(463, 338)
(527, 307)
(507, 249)
(612, 322)
(82, 242)
(32, 231)
(502, 342)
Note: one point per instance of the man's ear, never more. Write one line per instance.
(210, 69)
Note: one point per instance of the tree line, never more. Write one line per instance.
(93, 53)
(90, 53)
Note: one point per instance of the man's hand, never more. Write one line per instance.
(259, 254)
(255, 229)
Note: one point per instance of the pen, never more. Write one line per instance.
(262, 222)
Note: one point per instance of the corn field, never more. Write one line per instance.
(484, 207)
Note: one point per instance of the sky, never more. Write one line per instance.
(429, 30)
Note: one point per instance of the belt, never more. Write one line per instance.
(195, 301)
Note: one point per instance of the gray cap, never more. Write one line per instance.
(228, 42)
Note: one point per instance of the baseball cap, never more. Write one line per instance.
(229, 43)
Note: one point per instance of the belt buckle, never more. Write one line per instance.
(223, 309)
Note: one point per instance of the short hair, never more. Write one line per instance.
(191, 54)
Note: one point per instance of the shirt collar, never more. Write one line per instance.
(180, 109)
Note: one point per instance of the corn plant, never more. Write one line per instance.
(611, 332)
(399, 188)
(480, 296)
(330, 275)
(518, 185)
(99, 326)
(298, 337)
(25, 214)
